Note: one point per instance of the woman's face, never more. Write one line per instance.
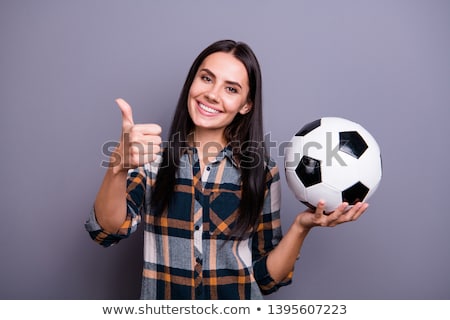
(219, 92)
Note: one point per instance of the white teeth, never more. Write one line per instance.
(208, 109)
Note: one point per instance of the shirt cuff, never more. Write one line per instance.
(91, 223)
(97, 233)
(266, 284)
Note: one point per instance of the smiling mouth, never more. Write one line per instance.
(207, 109)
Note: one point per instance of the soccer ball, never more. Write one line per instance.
(335, 160)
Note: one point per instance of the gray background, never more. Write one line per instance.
(384, 64)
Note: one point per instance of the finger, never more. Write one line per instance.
(140, 148)
(342, 208)
(338, 215)
(141, 135)
(362, 208)
(148, 129)
(139, 159)
(127, 114)
(320, 208)
(354, 212)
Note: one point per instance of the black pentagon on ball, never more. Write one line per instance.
(355, 193)
(307, 128)
(308, 171)
(352, 143)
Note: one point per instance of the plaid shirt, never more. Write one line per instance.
(186, 255)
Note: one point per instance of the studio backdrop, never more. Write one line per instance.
(384, 64)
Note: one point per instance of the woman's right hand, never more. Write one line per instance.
(139, 143)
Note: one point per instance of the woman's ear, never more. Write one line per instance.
(246, 108)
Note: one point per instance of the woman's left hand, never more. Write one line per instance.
(343, 213)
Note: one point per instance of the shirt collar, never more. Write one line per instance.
(226, 152)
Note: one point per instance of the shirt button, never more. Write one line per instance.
(197, 227)
(208, 168)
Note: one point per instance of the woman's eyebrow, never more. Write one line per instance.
(212, 75)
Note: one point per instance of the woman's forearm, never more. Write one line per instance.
(282, 259)
(110, 203)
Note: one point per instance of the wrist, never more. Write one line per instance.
(299, 228)
(116, 163)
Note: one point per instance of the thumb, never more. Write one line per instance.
(127, 114)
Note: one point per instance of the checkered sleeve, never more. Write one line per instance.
(136, 189)
(269, 233)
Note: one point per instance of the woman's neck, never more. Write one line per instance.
(209, 139)
(208, 143)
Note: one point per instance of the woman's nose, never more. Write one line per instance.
(213, 94)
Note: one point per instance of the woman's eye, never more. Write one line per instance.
(206, 78)
(231, 90)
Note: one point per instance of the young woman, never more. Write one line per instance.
(210, 199)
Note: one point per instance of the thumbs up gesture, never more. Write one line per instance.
(139, 143)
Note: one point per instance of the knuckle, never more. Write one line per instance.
(156, 127)
(132, 130)
(156, 149)
(158, 140)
